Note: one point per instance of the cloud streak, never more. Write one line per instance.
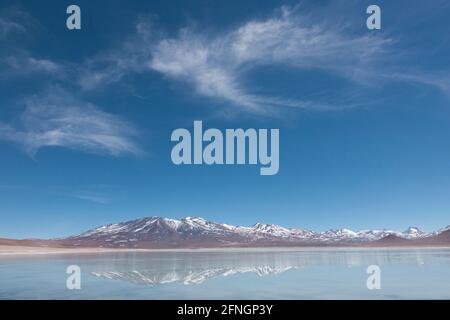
(219, 66)
(112, 66)
(20, 64)
(92, 198)
(15, 58)
(14, 22)
(8, 27)
(216, 66)
(57, 119)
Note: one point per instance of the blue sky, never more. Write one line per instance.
(86, 115)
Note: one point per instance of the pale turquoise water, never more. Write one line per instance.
(231, 274)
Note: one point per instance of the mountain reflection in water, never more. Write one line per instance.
(158, 268)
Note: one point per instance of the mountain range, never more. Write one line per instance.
(159, 232)
(196, 232)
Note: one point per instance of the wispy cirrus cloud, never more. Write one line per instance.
(14, 21)
(24, 64)
(112, 66)
(440, 81)
(216, 65)
(57, 119)
(15, 58)
(8, 27)
(92, 198)
(219, 65)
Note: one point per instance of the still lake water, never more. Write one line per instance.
(231, 274)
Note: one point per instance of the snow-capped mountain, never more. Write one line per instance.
(194, 231)
(437, 232)
(413, 233)
(272, 230)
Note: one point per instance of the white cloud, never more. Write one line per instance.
(56, 119)
(439, 81)
(111, 67)
(106, 69)
(16, 27)
(25, 64)
(8, 27)
(215, 66)
(203, 65)
(91, 198)
(14, 21)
